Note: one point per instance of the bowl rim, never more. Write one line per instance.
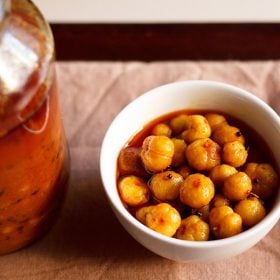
(273, 215)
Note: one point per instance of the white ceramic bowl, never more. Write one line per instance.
(170, 98)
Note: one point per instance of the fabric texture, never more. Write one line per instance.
(87, 241)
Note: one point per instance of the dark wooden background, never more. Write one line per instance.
(151, 42)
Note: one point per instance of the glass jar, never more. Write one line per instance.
(34, 159)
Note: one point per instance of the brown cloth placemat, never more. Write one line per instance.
(87, 242)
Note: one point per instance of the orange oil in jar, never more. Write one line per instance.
(34, 165)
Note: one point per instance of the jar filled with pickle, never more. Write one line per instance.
(34, 158)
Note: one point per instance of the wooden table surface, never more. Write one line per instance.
(158, 42)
